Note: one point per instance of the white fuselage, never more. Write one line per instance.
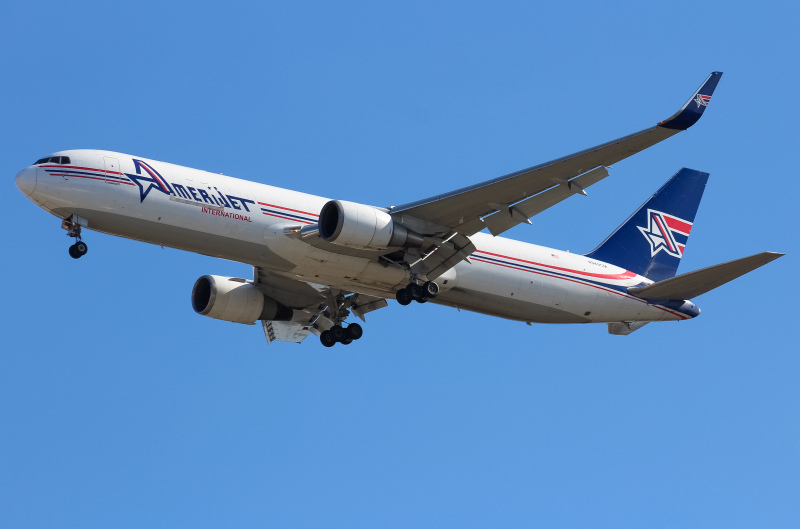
(248, 222)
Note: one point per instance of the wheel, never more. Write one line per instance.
(354, 332)
(81, 248)
(326, 339)
(422, 300)
(403, 297)
(73, 252)
(430, 289)
(337, 333)
(347, 341)
(414, 290)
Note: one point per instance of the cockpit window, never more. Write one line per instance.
(62, 160)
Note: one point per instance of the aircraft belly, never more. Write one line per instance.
(543, 298)
(509, 293)
(330, 268)
(504, 307)
(182, 238)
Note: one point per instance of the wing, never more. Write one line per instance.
(504, 202)
(313, 306)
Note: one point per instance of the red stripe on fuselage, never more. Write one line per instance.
(76, 167)
(65, 175)
(289, 209)
(287, 218)
(617, 292)
(626, 275)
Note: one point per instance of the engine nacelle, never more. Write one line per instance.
(236, 300)
(364, 227)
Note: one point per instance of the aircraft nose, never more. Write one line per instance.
(26, 180)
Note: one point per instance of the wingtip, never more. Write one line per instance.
(690, 113)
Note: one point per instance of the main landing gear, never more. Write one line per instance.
(336, 313)
(73, 227)
(415, 292)
(342, 335)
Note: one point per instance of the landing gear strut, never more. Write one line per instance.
(337, 311)
(416, 292)
(73, 227)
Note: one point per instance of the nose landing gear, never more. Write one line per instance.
(73, 225)
(78, 250)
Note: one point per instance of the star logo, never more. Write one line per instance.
(661, 233)
(148, 180)
(701, 100)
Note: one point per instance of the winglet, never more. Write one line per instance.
(690, 113)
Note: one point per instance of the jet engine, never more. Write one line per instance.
(236, 300)
(364, 227)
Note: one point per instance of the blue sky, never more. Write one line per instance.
(121, 407)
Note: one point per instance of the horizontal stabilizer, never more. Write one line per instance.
(692, 284)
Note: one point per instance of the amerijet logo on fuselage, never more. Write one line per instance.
(666, 233)
(148, 181)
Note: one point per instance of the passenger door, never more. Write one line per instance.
(113, 174)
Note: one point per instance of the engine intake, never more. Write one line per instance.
(236, 300)
(364, 227)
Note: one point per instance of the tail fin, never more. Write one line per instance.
(652, 240)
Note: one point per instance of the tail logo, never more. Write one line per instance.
(701, 100)
(666, 233)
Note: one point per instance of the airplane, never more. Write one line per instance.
(316, 260)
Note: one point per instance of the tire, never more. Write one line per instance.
(430, 289)
(422, 300)
(347, 341)
(73, 252)
(354, 332)
(81, 248)
(326, 339)
(403, 297)
(414, 290)
(337, 333)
